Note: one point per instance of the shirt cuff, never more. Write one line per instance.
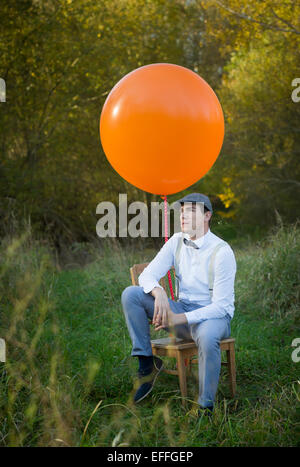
(148, 288)
(210, 311)
(192, 318)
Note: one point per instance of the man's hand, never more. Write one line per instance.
(161, 308)
(163, 315)
(173, 319)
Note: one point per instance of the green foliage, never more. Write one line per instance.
(257, 173)
(262, 159)
(61, 59)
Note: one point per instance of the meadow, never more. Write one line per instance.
(68, 379)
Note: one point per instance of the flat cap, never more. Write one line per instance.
(196, 198)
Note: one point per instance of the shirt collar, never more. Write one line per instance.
(199, 242)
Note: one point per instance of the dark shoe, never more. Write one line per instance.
(146, 381)
(207, 411)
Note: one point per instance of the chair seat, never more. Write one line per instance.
(179, 344)
(173, 343)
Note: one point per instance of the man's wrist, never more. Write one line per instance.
(156, 290)
(177, 318)
(181, 318)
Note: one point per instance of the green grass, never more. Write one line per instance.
(69, 375)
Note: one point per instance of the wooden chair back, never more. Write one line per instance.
(137, 269)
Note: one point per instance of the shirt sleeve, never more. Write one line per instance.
(158, 267)
(223, 289)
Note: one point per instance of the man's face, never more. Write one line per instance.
(193, 218)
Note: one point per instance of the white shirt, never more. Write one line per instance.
(193, 269)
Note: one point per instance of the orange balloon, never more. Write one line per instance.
(162, 128)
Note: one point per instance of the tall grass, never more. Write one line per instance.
(68, 379)
(35, 402)
(269, 279)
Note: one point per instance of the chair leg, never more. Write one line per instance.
(231, 369)
(182, 375)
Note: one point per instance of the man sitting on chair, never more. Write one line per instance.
(199, 314)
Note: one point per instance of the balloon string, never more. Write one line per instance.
(186, 360)
(166, 239)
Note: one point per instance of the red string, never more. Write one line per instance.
(186, 360)
(166, 239)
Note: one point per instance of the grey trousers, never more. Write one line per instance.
(138, 308)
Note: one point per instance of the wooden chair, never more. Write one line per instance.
(184, 350)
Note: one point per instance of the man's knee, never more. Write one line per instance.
(131, 293)
(207, 342)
